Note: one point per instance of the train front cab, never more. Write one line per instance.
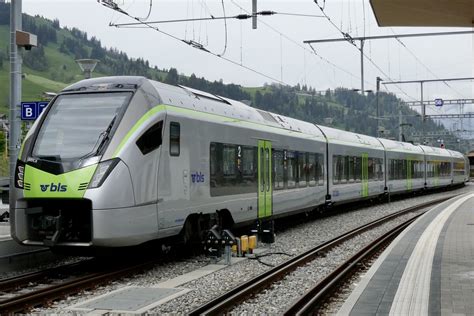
(74, 179)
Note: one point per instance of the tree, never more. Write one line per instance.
(172, 77)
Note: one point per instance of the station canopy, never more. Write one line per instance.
(457, 13)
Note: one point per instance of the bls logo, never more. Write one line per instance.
(197, 177)
(53, 187)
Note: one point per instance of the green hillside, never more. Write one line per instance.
(52, 66)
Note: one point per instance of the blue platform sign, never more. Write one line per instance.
(31, 110)
(42, 106)
(439, 102)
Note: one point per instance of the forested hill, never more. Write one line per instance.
(51, 66)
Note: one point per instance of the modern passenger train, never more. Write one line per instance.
(119, 161)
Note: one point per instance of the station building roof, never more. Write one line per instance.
(456, 13)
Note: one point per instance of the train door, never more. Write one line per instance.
(265, 187)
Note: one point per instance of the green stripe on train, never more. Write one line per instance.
(211, 116)
(365, 174)
(409, 175)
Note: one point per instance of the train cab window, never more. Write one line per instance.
(151, 139)
(175, 132)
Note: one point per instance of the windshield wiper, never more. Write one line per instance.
(106, 135)
(101, 140)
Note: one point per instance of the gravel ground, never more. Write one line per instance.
(292, 241)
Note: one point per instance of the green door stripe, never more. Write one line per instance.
(409, 174)
(365, 174)
(265, 185)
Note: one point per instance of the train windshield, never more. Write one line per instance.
(77, 125)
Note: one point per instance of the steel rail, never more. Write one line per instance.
(23, 302)
(18, 281)
(313, 298)
(228, 300)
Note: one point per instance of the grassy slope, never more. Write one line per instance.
(62, 71)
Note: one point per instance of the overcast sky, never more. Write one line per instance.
(276, 48)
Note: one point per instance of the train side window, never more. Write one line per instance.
(337, 162)
(247, 167)
(380, 169)
(278, 164)
(320, 169)
(312, 171)
(292, 166)
(358, 169)
(228, 158)
(175, 132)
(151, 139)
(371, 169)
(302, 172)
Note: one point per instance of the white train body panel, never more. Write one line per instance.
(411, 176)
(350, 150)
(438, 162)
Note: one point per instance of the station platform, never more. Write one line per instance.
(427, 270)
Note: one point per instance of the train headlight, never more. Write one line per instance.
(103, 170)
(19, 174)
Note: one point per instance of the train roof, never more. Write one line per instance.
(337, 136)
(435, 151)
(185, 97)
(396, 146)
(455, 154)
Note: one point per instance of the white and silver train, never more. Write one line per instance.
(120, 161)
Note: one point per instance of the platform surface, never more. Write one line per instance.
(427, 270)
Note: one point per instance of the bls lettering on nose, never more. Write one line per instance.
(53, 187)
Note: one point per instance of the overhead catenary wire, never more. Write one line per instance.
(225, 30)
(312, 52)
(351, 40)
(426, 67)
(110, 4)
(216, 18)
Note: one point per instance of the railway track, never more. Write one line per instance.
(313, 299)
(24, 292)
(252, 287)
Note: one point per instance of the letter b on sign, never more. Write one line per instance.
(29, 110)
